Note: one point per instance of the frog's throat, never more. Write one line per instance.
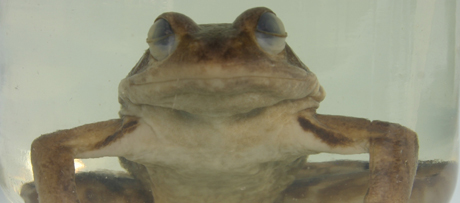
(216, 109)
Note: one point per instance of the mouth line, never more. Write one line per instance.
(221, 79)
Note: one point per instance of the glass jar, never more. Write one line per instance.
(393, 60)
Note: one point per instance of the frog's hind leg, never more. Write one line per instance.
(327, 182)
(347, 181)
(100, 187)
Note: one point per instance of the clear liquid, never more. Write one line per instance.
(61, 62)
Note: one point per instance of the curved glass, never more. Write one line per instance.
(61, 62)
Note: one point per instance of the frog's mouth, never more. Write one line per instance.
(228, 96)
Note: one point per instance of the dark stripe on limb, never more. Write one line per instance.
(129, 125)
(327, 136)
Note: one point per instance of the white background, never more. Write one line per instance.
(389, 60)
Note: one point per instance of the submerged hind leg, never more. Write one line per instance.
(326, 182)
(347, 181)
(100, 187)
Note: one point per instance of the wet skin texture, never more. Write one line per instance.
(224, 113)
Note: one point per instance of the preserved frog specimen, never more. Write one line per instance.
(221, 113)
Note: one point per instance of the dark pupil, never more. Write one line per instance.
(162, 29)
(165, 41)
(267, 23)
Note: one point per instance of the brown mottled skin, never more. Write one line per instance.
(224, 119)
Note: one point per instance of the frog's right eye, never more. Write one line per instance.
(161, 39)
(270, 33)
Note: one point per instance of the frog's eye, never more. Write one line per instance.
(270, 33)
(161, 39)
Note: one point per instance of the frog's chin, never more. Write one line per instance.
(204, 105)
(246, 108)
(219, 105)
(218, 96)
(223, 105)
(228, 107)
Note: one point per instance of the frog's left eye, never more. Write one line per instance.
(270, 33)
(161, 39)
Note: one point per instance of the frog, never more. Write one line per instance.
(221, 113)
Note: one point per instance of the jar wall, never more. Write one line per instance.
(61, 62)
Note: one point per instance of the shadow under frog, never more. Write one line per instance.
(227, 113)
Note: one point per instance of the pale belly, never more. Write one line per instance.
(215, 161)
(260, 183)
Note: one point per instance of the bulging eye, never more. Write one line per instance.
(270, 33)
(161, 39)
